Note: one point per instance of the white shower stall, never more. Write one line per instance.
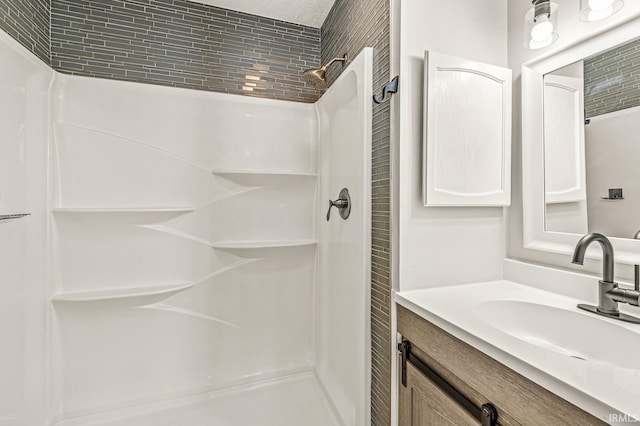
(177, 266)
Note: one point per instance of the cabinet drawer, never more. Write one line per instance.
(484, 380)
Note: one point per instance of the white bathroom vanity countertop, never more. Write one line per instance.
(525, 328)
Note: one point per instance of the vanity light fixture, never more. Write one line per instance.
(540, 24)
(596, 10)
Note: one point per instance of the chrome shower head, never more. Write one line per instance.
(317, 76)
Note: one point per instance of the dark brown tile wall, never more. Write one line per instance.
(612, 80)
(28, 22)
(351, 26)
(184, 44)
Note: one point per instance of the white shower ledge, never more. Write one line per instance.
(501, 319)
(156, 293)
(262, 172)
(146, 214)
(259, 244)
(135, 210)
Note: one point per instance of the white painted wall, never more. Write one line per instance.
(439, 245)
(24, 130)
(612, 162)
(567, 217)
(570, 29)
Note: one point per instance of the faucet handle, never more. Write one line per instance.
(623, 295)
(343, 203)
(339, 203)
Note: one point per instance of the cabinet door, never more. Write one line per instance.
(564, 150)
(422, 403)
(467, 132)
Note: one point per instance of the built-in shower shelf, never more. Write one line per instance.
(146, 214)
(146, 210)
(260, 244)
(156, 293)
(262, 172)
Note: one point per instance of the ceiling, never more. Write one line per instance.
(306, 12)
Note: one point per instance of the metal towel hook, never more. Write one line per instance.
(389, 88)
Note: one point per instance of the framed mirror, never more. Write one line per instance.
(581, 147)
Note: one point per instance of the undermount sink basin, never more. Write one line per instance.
(571, 333)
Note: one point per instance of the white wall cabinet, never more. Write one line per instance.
(467, 133)
(564, 164)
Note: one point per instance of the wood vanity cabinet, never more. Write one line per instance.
(423, 403)
(478, 377)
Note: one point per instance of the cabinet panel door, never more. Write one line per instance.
(422, 403)
(467, 132)
(564, 150)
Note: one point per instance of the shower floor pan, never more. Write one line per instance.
(293, 401)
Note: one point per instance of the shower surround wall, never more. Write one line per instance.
(350, 26)
(153, 299)
(24, 95)
(128, 40)
(184, 44)
(135, 40)
(132, 294)
(28, 23)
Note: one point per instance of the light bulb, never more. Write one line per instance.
(542, 29)
(600, 5)
(534, 44)
(596, 10)
(597, 15)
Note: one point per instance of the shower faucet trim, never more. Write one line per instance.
(343, 204)
(609, 292)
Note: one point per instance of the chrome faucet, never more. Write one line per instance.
(609, 293)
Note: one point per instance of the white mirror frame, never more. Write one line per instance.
(535, 236)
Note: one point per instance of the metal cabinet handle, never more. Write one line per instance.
(343, 204)
(487, 413)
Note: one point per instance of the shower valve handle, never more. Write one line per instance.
(339, 203)
(343, 204)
